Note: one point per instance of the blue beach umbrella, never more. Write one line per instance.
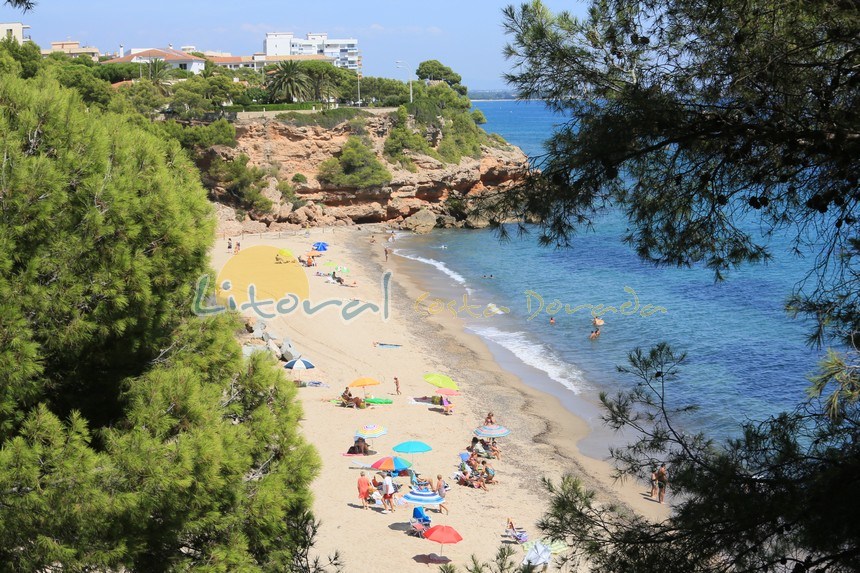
(299, 364)
(423, 497)
(321, 247)
(413, 447)
(492, 431)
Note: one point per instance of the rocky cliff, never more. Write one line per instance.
(441, 193)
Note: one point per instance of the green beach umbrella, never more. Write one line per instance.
(440, 381)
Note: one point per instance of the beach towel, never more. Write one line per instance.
(387, 345)
(423, 401)
(379, 400)
(316, 384)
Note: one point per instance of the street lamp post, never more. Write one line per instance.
(402, 64)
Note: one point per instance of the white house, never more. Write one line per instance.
(14, 30)
(173, 58)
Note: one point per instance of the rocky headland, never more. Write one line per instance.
(434, 194)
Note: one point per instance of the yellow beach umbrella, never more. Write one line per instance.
(364, 382)
(440, 381)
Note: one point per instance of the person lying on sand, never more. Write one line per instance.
(471, 481)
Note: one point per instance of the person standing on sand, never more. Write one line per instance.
(440, 491)
(653, 483)
(387, 495)
(387, 252)
(363, 489)
(397, 385)
(662, 482)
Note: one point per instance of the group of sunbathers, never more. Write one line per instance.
(473, 471)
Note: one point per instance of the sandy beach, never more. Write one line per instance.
(542, 442)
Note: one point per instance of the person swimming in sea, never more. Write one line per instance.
(552, 320)
(597, 322)
(594, 333)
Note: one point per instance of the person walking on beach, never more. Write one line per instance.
(440, 491)
(363, 489)
(230, 245)
(387, 252)
(387, 495)
(662, 482)
(237, 248)
(653, 483)
(397, 385)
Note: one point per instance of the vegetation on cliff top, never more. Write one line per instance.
(356, 166)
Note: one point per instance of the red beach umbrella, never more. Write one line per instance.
(443, 535)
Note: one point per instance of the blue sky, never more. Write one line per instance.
(465, 34)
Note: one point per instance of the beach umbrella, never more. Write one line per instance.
(538, 554)
(391, 464)
(492, 431)
(553, 545)
(299, 364)
(443, 535)
(465, 456)
(320, 246)
(370, 431)
(423, 497)
(447, 392)
(364, 382)
(441, 381)
(412, 447)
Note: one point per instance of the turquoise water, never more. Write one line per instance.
(746, 358)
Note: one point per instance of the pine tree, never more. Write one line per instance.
(133, 435)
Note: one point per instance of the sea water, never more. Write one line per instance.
(746, 358)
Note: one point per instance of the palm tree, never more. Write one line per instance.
(160, 74)
(288, 81)
(23, 4)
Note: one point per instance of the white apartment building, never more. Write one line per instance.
(14, 30)
(342, 52)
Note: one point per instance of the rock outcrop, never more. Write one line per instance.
(416, 200)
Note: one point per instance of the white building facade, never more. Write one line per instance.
(342, 52)
(14, 30)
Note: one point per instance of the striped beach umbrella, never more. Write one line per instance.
(391, 464)
(492, 431)
(423, 497)
(299, 364)
(370, 431)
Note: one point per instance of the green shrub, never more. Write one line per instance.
(299, 178)
(197, 137)
(327, 119)
(288, 194)
(478, 117)
(243, 184)
(356, 166)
